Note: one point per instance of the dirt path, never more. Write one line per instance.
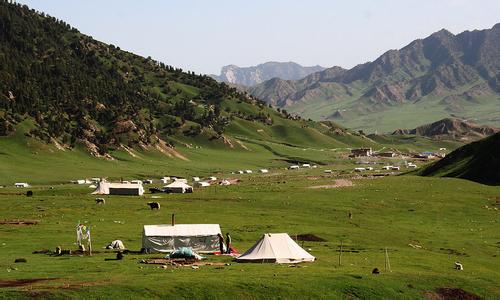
(338, 184)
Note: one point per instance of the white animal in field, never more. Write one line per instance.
(459, 266)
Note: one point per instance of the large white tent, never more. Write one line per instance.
(166, 238)
(179, 187)
(111, 188)
(276, 247)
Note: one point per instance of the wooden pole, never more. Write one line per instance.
(387, 262)
(340, 252)
(90, 244)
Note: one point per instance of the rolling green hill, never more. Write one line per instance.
(71, 106)
(478, 161)
(64, 88)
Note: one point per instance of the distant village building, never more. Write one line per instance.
(386, 154)
(361, 152)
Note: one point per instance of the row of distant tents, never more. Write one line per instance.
(203, 238)
(179, 185)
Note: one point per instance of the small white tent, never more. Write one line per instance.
(178, 187)
(166, 238)
(184, 180)
(201, 184)
(108, 188)
(276, 247)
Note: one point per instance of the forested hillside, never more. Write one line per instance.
(71, 89)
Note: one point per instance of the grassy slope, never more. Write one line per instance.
(446, 217)
(408, 115)
(478, 161)
(29, 160)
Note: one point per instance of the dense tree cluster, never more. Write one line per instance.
(76, 88)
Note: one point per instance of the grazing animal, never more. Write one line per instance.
(459, 266)
(154, 205)
(100, 201)
(376, 271)
(29, 194)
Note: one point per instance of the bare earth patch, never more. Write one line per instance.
(309, 237)
(338, 184)
(448, 293)
(19, 222)
(21, 282)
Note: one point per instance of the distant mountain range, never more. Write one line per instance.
(440, 76)
(250, 76)
(451, 128)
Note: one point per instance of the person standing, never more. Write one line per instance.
(221, 243)
(228, 243)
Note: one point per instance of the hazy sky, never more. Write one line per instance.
(204, 35)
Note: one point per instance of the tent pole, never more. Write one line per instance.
(387, 262)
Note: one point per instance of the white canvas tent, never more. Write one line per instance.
(276, 247)
(178, 187)
(184, 180)
(109, 188)
(201, 184)
(166, 238)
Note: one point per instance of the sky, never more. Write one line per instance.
(204, 35)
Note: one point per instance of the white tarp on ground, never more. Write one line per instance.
(111, 188)
(276, 247)
(166, 238)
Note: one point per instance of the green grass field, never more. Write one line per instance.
(446, 217)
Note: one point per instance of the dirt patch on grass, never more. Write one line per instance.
(338, 184)
(448, 293)
(309, 237)
(22, 282)
(19, 222)
(453, 252)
